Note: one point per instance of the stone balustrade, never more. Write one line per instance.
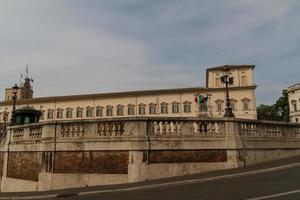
(155, 127)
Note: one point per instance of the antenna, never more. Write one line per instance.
(27, 71)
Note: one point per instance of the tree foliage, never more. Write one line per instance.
(268, 112)
(276, 112)
(282, 106)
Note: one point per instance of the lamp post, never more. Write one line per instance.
(227, 80)
(15, 92)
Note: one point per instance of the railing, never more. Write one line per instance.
(110, 129)
(73, 130)
(154, 127)
(268, 129)
(182, 128)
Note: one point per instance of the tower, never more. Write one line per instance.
(25, 90)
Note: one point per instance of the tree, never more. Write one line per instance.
(282, 106)
(267, 112)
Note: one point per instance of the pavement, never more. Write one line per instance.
(273, 180)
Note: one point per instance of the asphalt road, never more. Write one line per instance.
(242, 187)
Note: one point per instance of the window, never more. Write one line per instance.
(79, 112)
(142, 110)
(219, 105)
(130, 110)
(109, 111)
(244, 80)
(233, 104)
(50, 114)
(297, 120)
(175, 107)
(246, 104)
(89, 111)
(152, 108)
(120, 109)
(59, 113)
(164, 108)
(218, 82)
(294, 104)
(99, 111)
(69, 113)
(187, 107)
(43, 115)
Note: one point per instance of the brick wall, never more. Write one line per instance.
(101, 162)
(24, 165)
(187, 156)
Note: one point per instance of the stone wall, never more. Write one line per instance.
(91, 162)
(64, 154)
(24, 165)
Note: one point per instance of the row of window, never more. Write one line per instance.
(245, 103)
(109, 110)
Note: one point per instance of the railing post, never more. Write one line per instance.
(234, 143)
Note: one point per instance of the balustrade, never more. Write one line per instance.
(73, 130)
(18, 134)
(263, 129)
(105, 129)
(35, 132)
(209, 128)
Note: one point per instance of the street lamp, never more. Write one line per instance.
(15, 90)
(227, 80)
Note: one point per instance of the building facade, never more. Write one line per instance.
(206, 101)
(294, 102)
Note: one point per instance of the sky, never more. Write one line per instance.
(95, 46)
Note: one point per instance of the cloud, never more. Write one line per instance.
(77, 46)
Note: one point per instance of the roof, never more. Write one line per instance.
(104, 95)
(27, 110)
(230, 66)
(293, 87)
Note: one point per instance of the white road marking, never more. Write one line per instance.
(275, 195)
(168, 184)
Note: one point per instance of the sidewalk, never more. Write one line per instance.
(166, 181)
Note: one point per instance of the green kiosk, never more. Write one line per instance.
(27, 115)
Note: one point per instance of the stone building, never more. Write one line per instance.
(206, 101)
(294, 102)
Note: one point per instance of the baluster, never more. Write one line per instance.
(173, 128)
(195, 128)
(156, 128)
(161, 128)
(168, 128)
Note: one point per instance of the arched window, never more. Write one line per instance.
(294, 104)
(233, 103)
(89, 111)
(246, 104)
(142, 109)
(175, 107)
(120, 110)
(59, 113)
(219, 105)
(79, 111)
(164, 108)
(109, 110)
(187, 106)
(152, 108)
(130, 110)
(99, 111)
(50, 114)
(69, 113)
